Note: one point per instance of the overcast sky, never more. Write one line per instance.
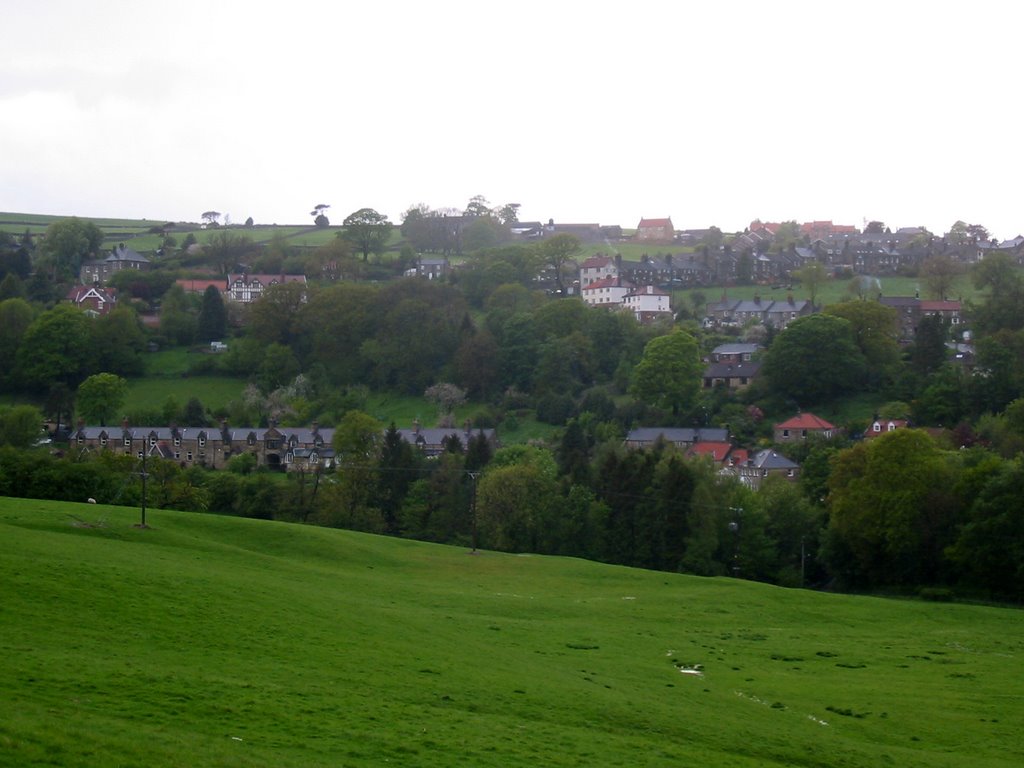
(708, 112)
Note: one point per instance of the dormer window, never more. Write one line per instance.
(202, 440)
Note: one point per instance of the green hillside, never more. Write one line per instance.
(213, 641)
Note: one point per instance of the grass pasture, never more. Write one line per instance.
(214, 641)
(151, 392)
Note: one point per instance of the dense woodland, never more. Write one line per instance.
(938, 509)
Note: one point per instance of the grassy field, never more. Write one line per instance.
(213, 641)
(135, 232)
(152, 391)
(830, 292)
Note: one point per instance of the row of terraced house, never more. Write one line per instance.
(281, 448)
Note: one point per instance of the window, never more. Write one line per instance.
(202, 441)
(103, 440)
(790, 473)
(803, 433)
(177, 442)
(188, 456)
(152, 441)
(876, 427)
(140, 454)
(785, 434)
(127, 442)
(177, 455)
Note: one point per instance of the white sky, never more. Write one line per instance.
(711, 112)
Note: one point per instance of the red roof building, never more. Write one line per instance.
(802, 426)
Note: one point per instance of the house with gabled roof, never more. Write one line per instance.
(717, 451)
(246, 288)
(607, 292)
(597, 268)
(802, 426)
(781, 313)
(274, 447)
(736, 376)
(735, 352)
(92, 299)
(655, 231)
(764, 464)
(648, 303)
(880, 427)
(121, 257)
(681, 437)
(430, 441)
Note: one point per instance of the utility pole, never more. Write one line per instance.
(472, 508)
(144, 475)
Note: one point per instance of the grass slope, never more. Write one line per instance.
(213, 641)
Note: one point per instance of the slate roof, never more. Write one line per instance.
(677, 434)
(769, 459)
(727, 370)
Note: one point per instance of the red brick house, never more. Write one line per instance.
(92, 299)
(655, 231)
(802, 426)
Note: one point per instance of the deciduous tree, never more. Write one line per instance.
(100, 397)
(368, 231)
(67, 244)
(814, 360)
(668, 374)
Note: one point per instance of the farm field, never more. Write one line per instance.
(208, 640)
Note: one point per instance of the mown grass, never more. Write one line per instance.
(227, 642)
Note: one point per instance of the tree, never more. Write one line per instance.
(11, 287)
(226, 249)
(210, 218)
(990, 546)
(100, 397)
(508, 214)
(56, 347)
(177, 321)
(875, 228)
(368, 231)
(119, 342)
(319, 217)
(668, 374)
(939, 272)
(477, 206)
(484, 232)
(67, 243)
(999, 277)
(15, 318)
(273, 317)
(874, 328)
(892, 508)
(555, 253)
(213, 316)
(447, 397)
(20, 426)
(814, 360)
(811, 276)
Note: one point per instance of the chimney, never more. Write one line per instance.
(416, 426)
(124, 423)
(467, 427)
